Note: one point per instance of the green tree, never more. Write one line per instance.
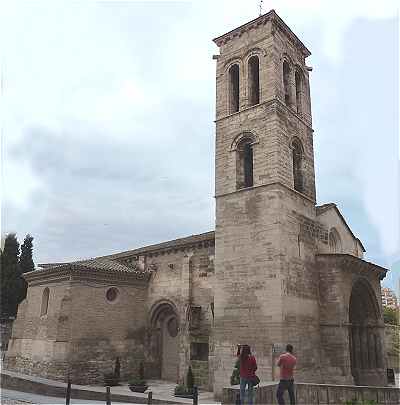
(391, 315)
(26, 261)
(9, 276)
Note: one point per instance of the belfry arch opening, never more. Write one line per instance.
(299, 86)
(286, 82)
(365, 340)
(164, 347)
(244, 163)
(234, 88)
(254, 80)
(297, 165)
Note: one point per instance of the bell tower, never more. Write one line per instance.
(265, 286)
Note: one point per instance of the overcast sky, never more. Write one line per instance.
(108, 108)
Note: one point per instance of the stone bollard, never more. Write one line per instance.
(108, 396)
(149, 398)
(68, 393)
(195, 395)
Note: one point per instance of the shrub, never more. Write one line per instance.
(136, 381)
(110, 379)
(180, 389)
(141, 370)
(189, 379)
(139, 378)
(117, 368)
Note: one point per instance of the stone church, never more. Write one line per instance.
(277, 269)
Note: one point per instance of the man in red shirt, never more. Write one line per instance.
(286, 362)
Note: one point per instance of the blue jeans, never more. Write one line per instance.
(243, 383)
(282, 387)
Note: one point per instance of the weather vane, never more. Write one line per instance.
(260, 6)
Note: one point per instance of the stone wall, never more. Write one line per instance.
(5, 333)
(349, 244)
(39, 343)
(319, 394)
(337, 276)
(83, 333)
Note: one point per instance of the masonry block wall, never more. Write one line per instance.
(102, 330)
(347, 285)
(265, 291)
(40, 343)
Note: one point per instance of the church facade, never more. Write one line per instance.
(277, 269)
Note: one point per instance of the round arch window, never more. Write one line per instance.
(172, 327)
(112, 294)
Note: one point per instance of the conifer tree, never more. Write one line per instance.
(26, 261)
(9, 275)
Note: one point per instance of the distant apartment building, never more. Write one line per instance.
(389, 298)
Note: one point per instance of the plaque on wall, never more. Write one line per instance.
(390, 376)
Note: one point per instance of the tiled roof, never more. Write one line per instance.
(96, 264)
(193, 239)
(103, 266)
(108, 262)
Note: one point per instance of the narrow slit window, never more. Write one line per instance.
(234, 88)
(298, 91)
(298, 180)
(254, 80)
(45, 302)
(286, 82)
(244, 164)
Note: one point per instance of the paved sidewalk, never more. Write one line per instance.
(10, 397)
(162, 391)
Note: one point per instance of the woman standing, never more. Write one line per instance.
(248, 367)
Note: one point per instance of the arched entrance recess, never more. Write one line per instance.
(164, 325)
(366, 352)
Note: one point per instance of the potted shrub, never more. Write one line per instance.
(138, 383)
(112, 379)
(185, 391)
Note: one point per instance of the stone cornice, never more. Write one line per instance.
(73, 272)
(261, 20)
(266, 104)
(354, 263)
(274, 184)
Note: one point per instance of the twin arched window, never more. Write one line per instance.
(298, 79)
(286, 82)
(253, 81)
(299, 86)
(45, 302)
(335, 243)
(234, 88)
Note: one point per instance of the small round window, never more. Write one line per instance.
(112, 294)
(172, 327)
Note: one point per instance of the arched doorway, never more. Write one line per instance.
(366, 351)
(165, 340)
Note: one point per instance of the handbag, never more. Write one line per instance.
(255, 380)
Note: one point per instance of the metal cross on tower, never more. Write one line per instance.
(260, 6)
